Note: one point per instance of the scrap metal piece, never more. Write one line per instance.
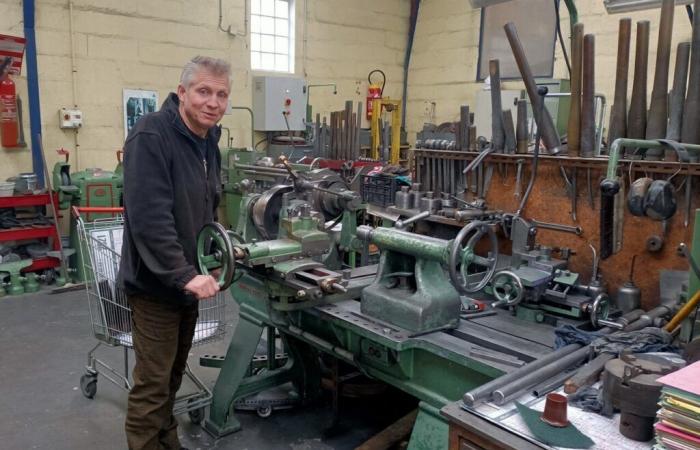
(588, 98)
(574, 127)
(521, 134)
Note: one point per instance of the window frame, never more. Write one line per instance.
(291, 39)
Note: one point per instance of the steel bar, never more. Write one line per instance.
(618, 112)
(688, 199)
(587, 98)
(690, 131)
(658, 109)
(677, 100)
(577, 230)
(485, 390)
(359, 130)
(521, 135)
(548, 386)
(637, 118)
(587, 374)
(574, 193)
(463, 144)
(544, 121)
(497, 132)
(574, 128)
(317, 135)
(509, 130)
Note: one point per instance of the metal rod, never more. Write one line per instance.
(587, 98)
(658, 109)
(574, 128)
(637, 118)
(690, 131)
(497, 132)
(521, 135)
(618, 112)
(544, 121)
(677, 100)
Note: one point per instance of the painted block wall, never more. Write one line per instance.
(144, 44)
(446, 49)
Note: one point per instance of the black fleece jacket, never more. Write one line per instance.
(170, 193)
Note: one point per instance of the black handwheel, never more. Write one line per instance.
(464, 257)
(88, 385)
(215, 251)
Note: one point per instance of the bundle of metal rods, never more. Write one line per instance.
(339, 137)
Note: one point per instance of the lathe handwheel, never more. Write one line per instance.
(215, 251)
(507, 288)
(599, 309)
(464, 257)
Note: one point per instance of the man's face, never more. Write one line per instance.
(203, 102)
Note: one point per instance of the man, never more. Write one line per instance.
(171, 190)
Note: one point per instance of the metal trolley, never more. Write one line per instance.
(100, 246)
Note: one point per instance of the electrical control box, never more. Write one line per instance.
(70, 118)
(279, 103)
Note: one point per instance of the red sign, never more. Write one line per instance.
(13, 47)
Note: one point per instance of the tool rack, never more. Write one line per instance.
(33, 231)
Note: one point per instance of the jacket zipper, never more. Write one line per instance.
(204, 161)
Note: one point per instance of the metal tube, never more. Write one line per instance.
(509, 130)
(400, 224)
(252, 123)
(618, 112)
(658, 109)
(637, 118)
(497, 132)
(680, 81)
(542, 117)
(690, 131)
(521, 128)
(588, 98)
(574, 128)
(485, 390)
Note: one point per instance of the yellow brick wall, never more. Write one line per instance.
(446, 49)
(137, 44)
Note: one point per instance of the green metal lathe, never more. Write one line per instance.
(288, 265)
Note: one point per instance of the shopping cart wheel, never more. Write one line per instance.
(264, 411)
(88, 385)
(196, 415)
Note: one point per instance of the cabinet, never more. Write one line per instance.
(33, 231)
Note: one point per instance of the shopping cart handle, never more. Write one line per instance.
(76, 211)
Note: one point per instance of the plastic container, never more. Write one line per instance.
(7, 188)
(379, 190)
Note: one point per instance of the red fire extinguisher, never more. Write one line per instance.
(9, 123)
(374, 91)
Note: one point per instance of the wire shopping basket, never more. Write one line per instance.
(100, 242)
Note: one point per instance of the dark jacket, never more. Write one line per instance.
(169, 195)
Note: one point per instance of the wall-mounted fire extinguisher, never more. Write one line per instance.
(9, 122)
(374, 91)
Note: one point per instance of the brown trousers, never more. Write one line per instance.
(162, 336)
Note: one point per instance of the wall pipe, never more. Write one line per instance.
(28, 11)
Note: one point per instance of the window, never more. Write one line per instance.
(272, 35)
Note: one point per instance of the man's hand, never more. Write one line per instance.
(202, 286)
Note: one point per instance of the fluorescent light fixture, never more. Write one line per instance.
(622, 6)
(476, 4)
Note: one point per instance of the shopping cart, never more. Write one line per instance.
(100, 246)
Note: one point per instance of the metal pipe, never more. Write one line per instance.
(677, 100)
(485, 390)
(658, 109)
(588, 98)
(542, 117)
(497, 132)
(252, 122)
(28, 12)
(574, 127)
(690, 131)
(637, 118)
(401, 224)
(521, 136)
(618, 112)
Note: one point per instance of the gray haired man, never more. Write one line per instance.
(171, 189)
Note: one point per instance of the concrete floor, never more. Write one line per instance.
(45, 339)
